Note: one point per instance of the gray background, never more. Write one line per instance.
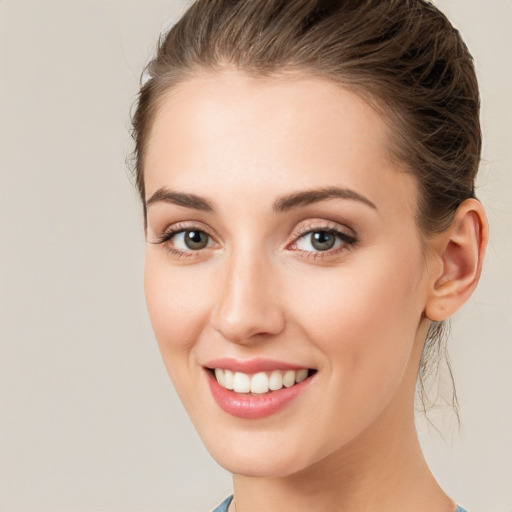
(88, 418)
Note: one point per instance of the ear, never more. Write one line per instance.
(457, 257)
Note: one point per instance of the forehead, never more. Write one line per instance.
(270, 134)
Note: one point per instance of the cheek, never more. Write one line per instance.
(177, 304)
(364, 320)
(365, 315)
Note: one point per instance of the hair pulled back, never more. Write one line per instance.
(403, 56)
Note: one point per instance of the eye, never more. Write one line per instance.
(317, 241)
(190, 239)
(183, 241)
(328, 240)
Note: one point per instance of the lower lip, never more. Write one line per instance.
(254, 406)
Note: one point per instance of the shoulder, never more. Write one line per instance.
(225, 504)
(223, 507)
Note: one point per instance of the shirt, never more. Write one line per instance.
(223, 507)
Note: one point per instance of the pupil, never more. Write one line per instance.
(196, 239)
(323, 241)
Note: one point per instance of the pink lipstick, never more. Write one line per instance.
(255, 388)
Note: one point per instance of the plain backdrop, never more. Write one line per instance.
(88, 418)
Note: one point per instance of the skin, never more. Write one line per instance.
(358, 314)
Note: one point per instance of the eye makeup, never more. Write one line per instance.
(313, 240)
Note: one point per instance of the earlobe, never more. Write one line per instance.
(459, 253)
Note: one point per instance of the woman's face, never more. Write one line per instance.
(281, 246)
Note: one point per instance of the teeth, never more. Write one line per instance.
(289, 379)
(276, 380)
(229, 378)
(261, 382)
(301, 375)
(241, 383)
(219, 375)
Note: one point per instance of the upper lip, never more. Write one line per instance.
(251, 366)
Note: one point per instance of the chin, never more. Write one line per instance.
(260, 466)
(264, 455)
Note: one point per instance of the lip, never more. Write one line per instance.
(251, 366)
(249, 406)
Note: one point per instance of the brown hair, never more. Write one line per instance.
(403, 56)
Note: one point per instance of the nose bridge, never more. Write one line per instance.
(247, 304)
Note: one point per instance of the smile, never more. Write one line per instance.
(261, 382)
(258, 388)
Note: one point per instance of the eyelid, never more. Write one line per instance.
(322, 225)
(346, 235)
(166, 235)
(173, 229)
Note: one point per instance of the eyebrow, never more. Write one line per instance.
(193, 201)
(282, 204)
(307, 197)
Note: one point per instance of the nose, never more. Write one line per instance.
(248, 307)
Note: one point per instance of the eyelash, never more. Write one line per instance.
(347, 240)
(167, 235)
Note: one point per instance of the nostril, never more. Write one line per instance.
(247, 310)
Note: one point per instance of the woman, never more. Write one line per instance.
(307, 173)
